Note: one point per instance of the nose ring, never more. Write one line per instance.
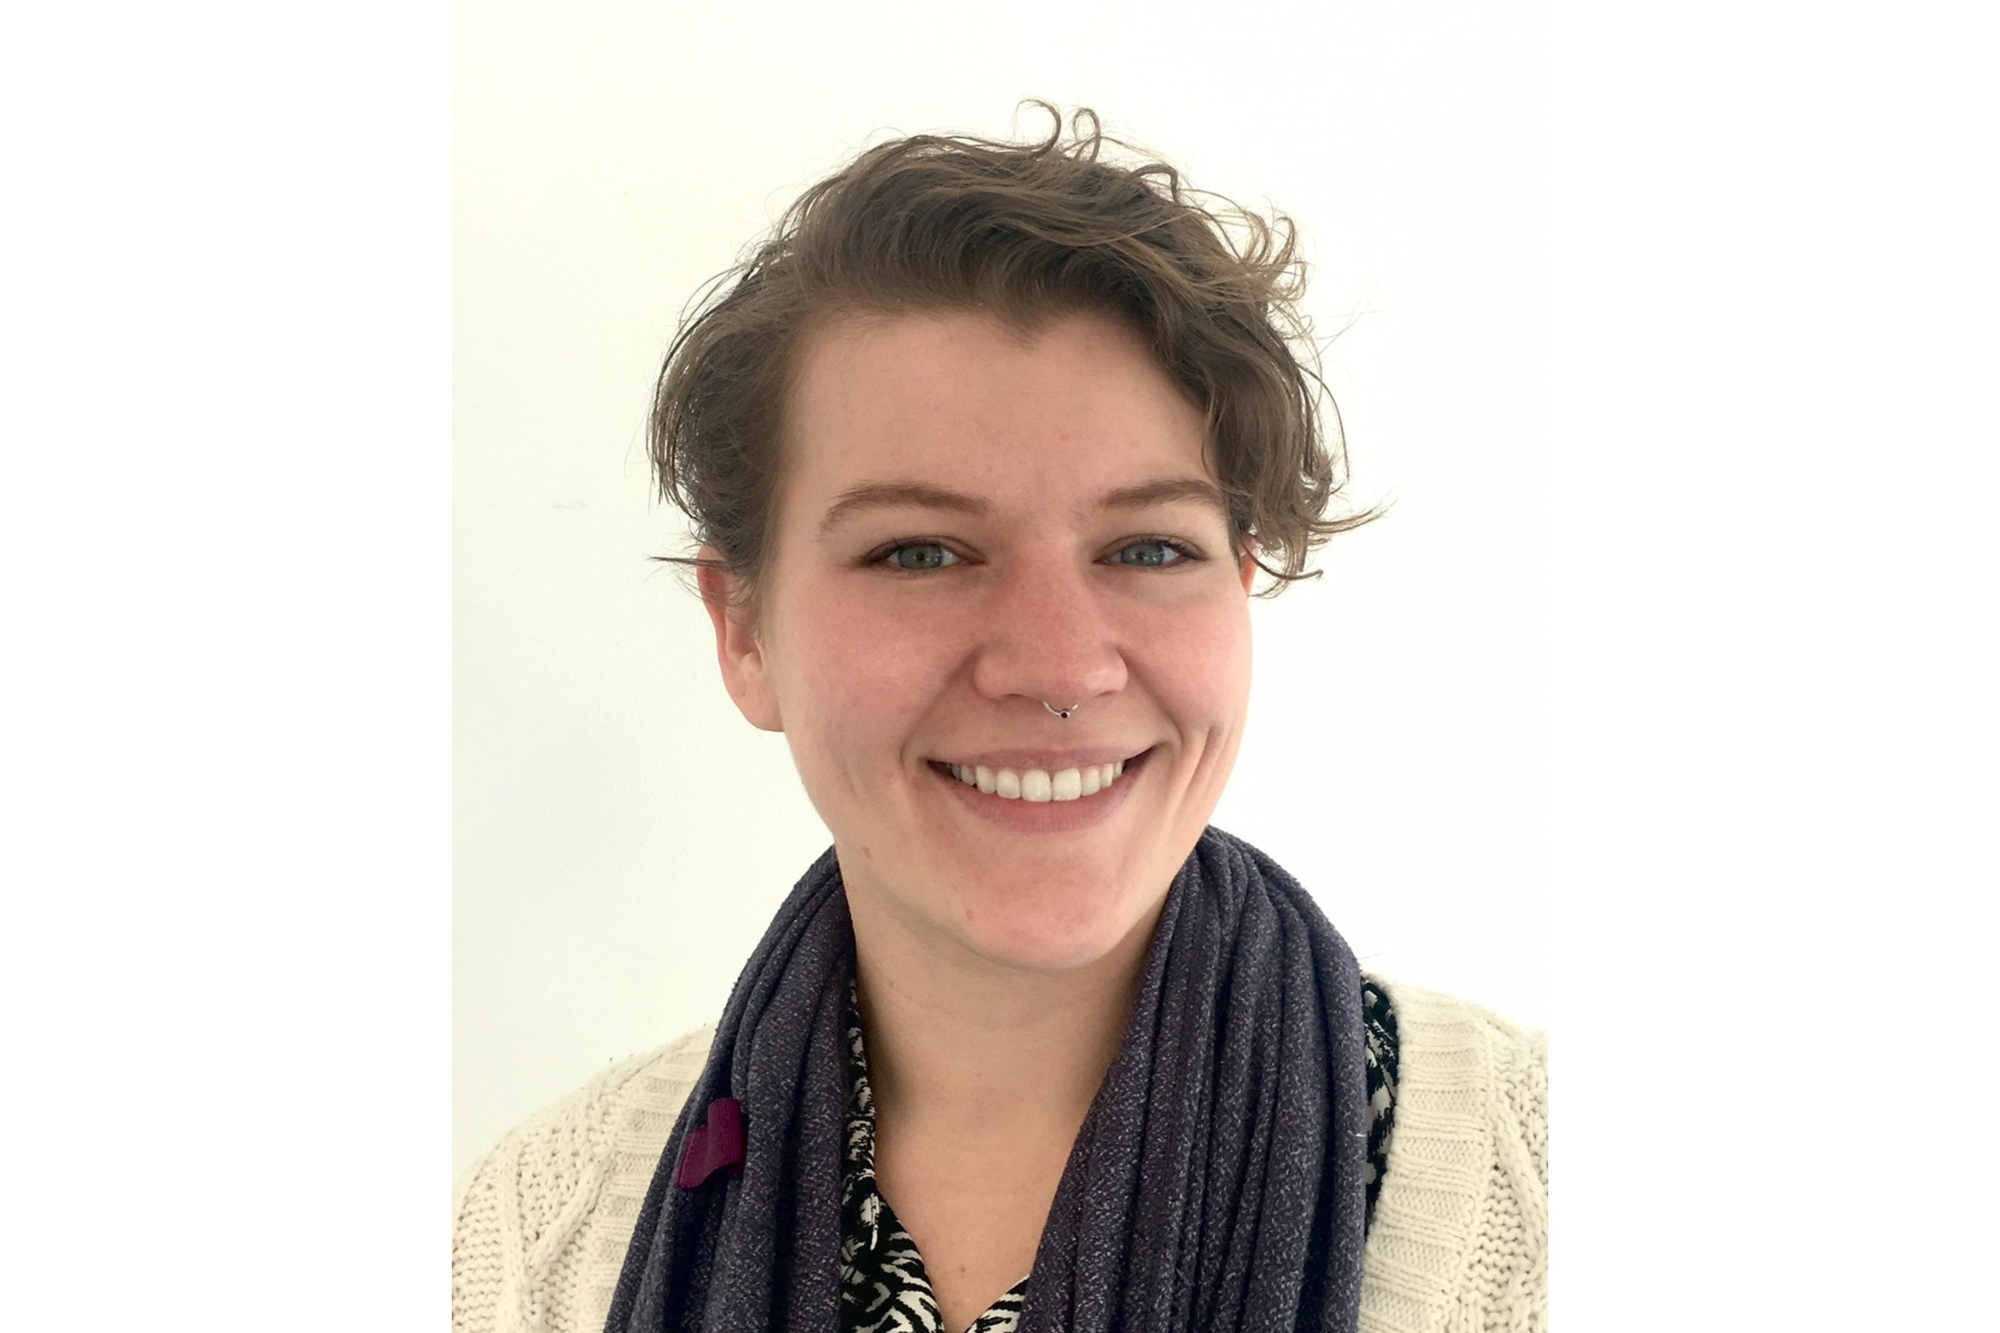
(1061, 712)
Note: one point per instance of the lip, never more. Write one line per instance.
(1045, 816)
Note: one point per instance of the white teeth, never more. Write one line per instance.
(1038, 784)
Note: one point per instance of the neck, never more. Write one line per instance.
(963, 1045)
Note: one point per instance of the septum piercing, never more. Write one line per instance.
(1062, 713)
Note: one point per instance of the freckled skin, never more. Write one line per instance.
(874, 672)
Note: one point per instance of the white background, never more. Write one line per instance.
(622, 835)
(226, 334)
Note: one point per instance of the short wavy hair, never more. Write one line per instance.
(1027, 232)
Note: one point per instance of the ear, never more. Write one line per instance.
(739, 649)
(1246, 569)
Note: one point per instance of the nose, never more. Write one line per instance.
(1048, 636)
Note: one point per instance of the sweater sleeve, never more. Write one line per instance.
(541, 1225)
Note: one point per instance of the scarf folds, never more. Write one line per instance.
(1217, 1182)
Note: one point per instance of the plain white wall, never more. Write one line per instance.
(621, 835)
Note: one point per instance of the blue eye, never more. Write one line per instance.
(1151, 553)
(916, 557)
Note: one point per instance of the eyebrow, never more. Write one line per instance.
(1168, 491)
(916, 495)
(896, 494)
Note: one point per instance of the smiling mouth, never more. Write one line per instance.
(1039, 784)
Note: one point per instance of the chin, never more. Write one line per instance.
(1056, 928)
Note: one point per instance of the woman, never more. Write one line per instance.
(986, 449)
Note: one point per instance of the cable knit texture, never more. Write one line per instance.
(1458, 1241)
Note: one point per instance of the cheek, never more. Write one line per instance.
(851, 676)
(1201, 666)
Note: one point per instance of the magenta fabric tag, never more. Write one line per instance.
(712, 1146)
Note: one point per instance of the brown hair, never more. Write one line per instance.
(1026, 231)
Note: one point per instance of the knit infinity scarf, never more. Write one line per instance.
(1216, 1183)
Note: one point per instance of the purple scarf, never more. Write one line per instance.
(1216, 1184)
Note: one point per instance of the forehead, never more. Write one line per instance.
(965, 400)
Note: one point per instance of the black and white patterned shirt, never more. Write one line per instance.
(883, 1285)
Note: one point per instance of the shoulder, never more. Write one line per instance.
(1465, 1045)
(1459, 1239)
(541, 1223)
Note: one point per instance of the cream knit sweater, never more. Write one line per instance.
(1458, 1242)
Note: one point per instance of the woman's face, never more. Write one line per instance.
(975, 523)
